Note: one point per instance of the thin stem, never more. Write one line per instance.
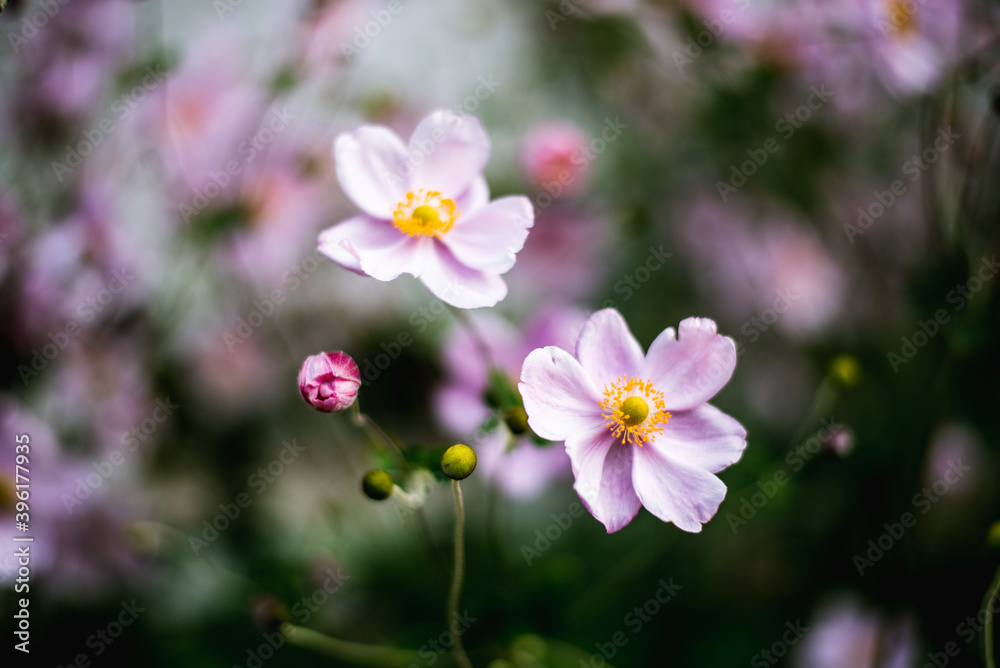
(994, 591)
(359, 654)
(456, 582)
(366, 422)
(477, 338)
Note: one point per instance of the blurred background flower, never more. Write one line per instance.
(818, 178)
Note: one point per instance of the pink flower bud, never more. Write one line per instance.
(329, 381)
(554, 158)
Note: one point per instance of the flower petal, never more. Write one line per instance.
(704, 437)
(675, 491)
(371, 247)
(457, 284)
(692, 369)
(447, 152)
(607, 349)
(370, 169)
(558, 396)
(526, 470)
(460, 409)
(489, 238)
(602, 467)
(475, 198)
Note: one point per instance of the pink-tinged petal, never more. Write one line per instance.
(692, 369)
(372, 248)
(675, 491)
(447, 152)
(476, 197)
(602, 467)
(526, 471)
(559, 397)
(704, 437)
(607, 349)
(370, 167)
(460, 409)
(456, 284)
(489, 238)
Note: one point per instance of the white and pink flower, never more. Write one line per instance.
(637, 428)
(426, 210)
(521, 468)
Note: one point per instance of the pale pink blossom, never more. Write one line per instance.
(637, 428)
(426, 210)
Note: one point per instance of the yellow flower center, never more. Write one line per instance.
(626, 407)
(903, 17)
(426, 213)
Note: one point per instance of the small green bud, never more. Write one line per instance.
(845, 370)
(517, 420)
(377, 484)
(458, 462)
(993, 535)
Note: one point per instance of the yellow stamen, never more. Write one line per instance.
(425, 213)
(635, 409)
(903, 17)
(627, 410)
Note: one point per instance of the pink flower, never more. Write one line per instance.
(847, 635)
(329, 381)
(426, 210)
(637, 429)
(913, 43)
(521, 468)
(553, 157)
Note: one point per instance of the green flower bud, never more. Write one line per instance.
(458, 462)
(377, 484)
(517, 420)
(845, 370)
(993, 535)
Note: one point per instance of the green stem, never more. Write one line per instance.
(994, 591)
(456, 582)
(466, 322)
(359, 654)
(365, 421)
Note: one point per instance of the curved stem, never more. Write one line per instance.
(365, 421)
(359, 654)
(477, 338)
(456, 582)
(992, 593)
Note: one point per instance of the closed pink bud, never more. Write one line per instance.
(329, 381)
(554, 157)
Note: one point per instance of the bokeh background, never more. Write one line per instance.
(820, 178)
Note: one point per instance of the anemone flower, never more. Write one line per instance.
(637, 429)
(426, 210)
